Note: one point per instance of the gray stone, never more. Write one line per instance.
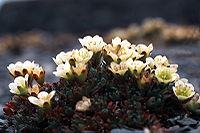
(125, 131)
(172, 121)
(187, 122)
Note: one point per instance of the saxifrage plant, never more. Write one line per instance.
(101, 87)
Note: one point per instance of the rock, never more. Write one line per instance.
(187, 122)
(3, 125)
(125, 131)
(197, 130)
(172, 121)
(89, 131)
(173, 128)
(1, 110)
(182, 129)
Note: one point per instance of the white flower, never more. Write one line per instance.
(183, 90)
(125, 43)
(113, 56)
(161, 60)
(150, 62)
(20, 69)
(119, 50)
(16, 69)
(95, 44)
(62, 57)
(124, 53)
(28, 67)
(63, 70)
(135, 55)
(144, 50)
(118, 68)
(82, 55)
(135, 66)
(166, 74)
(20, 85)
(174, 66)
(83, 105)
(116, 42)
(42, 98)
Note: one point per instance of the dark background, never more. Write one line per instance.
(81, 16)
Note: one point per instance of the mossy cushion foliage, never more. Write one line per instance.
(101, 87)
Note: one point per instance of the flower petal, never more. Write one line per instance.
(36, 101)
(13, 88)
(42, 95)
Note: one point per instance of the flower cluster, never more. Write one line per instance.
(24, 73)
(122, 56)
(101, 86)
(21, 69)
(77, 67)
(30, 68)
(123, 50)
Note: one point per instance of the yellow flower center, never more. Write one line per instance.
(165, 75)
(184, 92)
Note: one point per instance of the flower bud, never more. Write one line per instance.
(35, 89)
(147, 77)
(194, 104)
(83, 105)
(80, 71)
(39, 75)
